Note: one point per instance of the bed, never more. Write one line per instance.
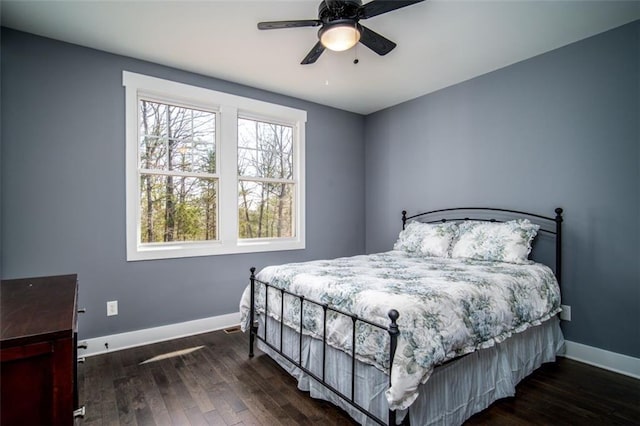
(430, 332)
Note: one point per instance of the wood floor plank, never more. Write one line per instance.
(92, 390)
(222, 407)
(196, 418)
(205, 374)
(214, 418)
(198, 394)
(249, 419)
(249, 389)
(152, 398)
(262, 407)
(142, 411)
(108, 410)
(116, 363)
(209, 380)
(124, 401)
(169, 396)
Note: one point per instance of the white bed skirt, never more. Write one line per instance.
(453, 393)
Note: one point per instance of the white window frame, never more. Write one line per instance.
(228, 108)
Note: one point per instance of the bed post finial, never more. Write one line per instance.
(559, 220)
(252, 329)
(393, 316)
(404, 218)
(394, 331)
(393, 344)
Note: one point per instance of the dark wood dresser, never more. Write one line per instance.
(38, 350)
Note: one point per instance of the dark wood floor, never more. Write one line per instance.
(209, 380)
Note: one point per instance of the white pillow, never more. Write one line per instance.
(502, 242)
(427, 239)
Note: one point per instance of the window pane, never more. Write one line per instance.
(192, 156)
(153, 118)
(153, 152)
(177, 208)
(204, 126)
(265, 210)
(176, 138)
(265, 149)
(180, 122)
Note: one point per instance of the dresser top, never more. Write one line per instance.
(37, 306)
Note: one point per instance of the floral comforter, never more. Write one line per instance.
(448, 307)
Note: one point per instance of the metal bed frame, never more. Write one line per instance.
(393, 314)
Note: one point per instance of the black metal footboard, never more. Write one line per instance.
(392, 329)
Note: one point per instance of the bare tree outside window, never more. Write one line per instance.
(177, 173)
(266, 184)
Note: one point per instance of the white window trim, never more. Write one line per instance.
(228, 107)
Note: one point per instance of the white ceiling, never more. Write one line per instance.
(440, 43)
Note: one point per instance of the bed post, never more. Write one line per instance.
(404, 218)
(252, 328)
(558, 220)
(393, 343)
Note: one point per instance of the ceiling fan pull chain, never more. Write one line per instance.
(355, 49)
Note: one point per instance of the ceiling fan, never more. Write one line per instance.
(340, 28)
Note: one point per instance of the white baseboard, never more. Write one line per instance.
(131, 339)
(619, 363)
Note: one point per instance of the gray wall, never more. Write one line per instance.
(560, 129)
(63, 188)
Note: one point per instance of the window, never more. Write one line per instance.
(265, 179)
(210, 173)
(177, 172)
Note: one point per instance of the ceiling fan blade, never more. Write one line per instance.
(313, 55)
(275, 25)
(378, 7)
(375, 41)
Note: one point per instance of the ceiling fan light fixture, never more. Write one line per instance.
(340, 37)
(340, 28)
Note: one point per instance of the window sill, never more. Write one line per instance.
(178, 250)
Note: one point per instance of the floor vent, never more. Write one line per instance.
(231, 330)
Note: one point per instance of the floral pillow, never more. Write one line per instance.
(501, 242)
(427, 239)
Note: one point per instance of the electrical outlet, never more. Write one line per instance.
(112, 308)
(565, 315)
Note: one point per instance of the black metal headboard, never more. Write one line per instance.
(549, 225)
